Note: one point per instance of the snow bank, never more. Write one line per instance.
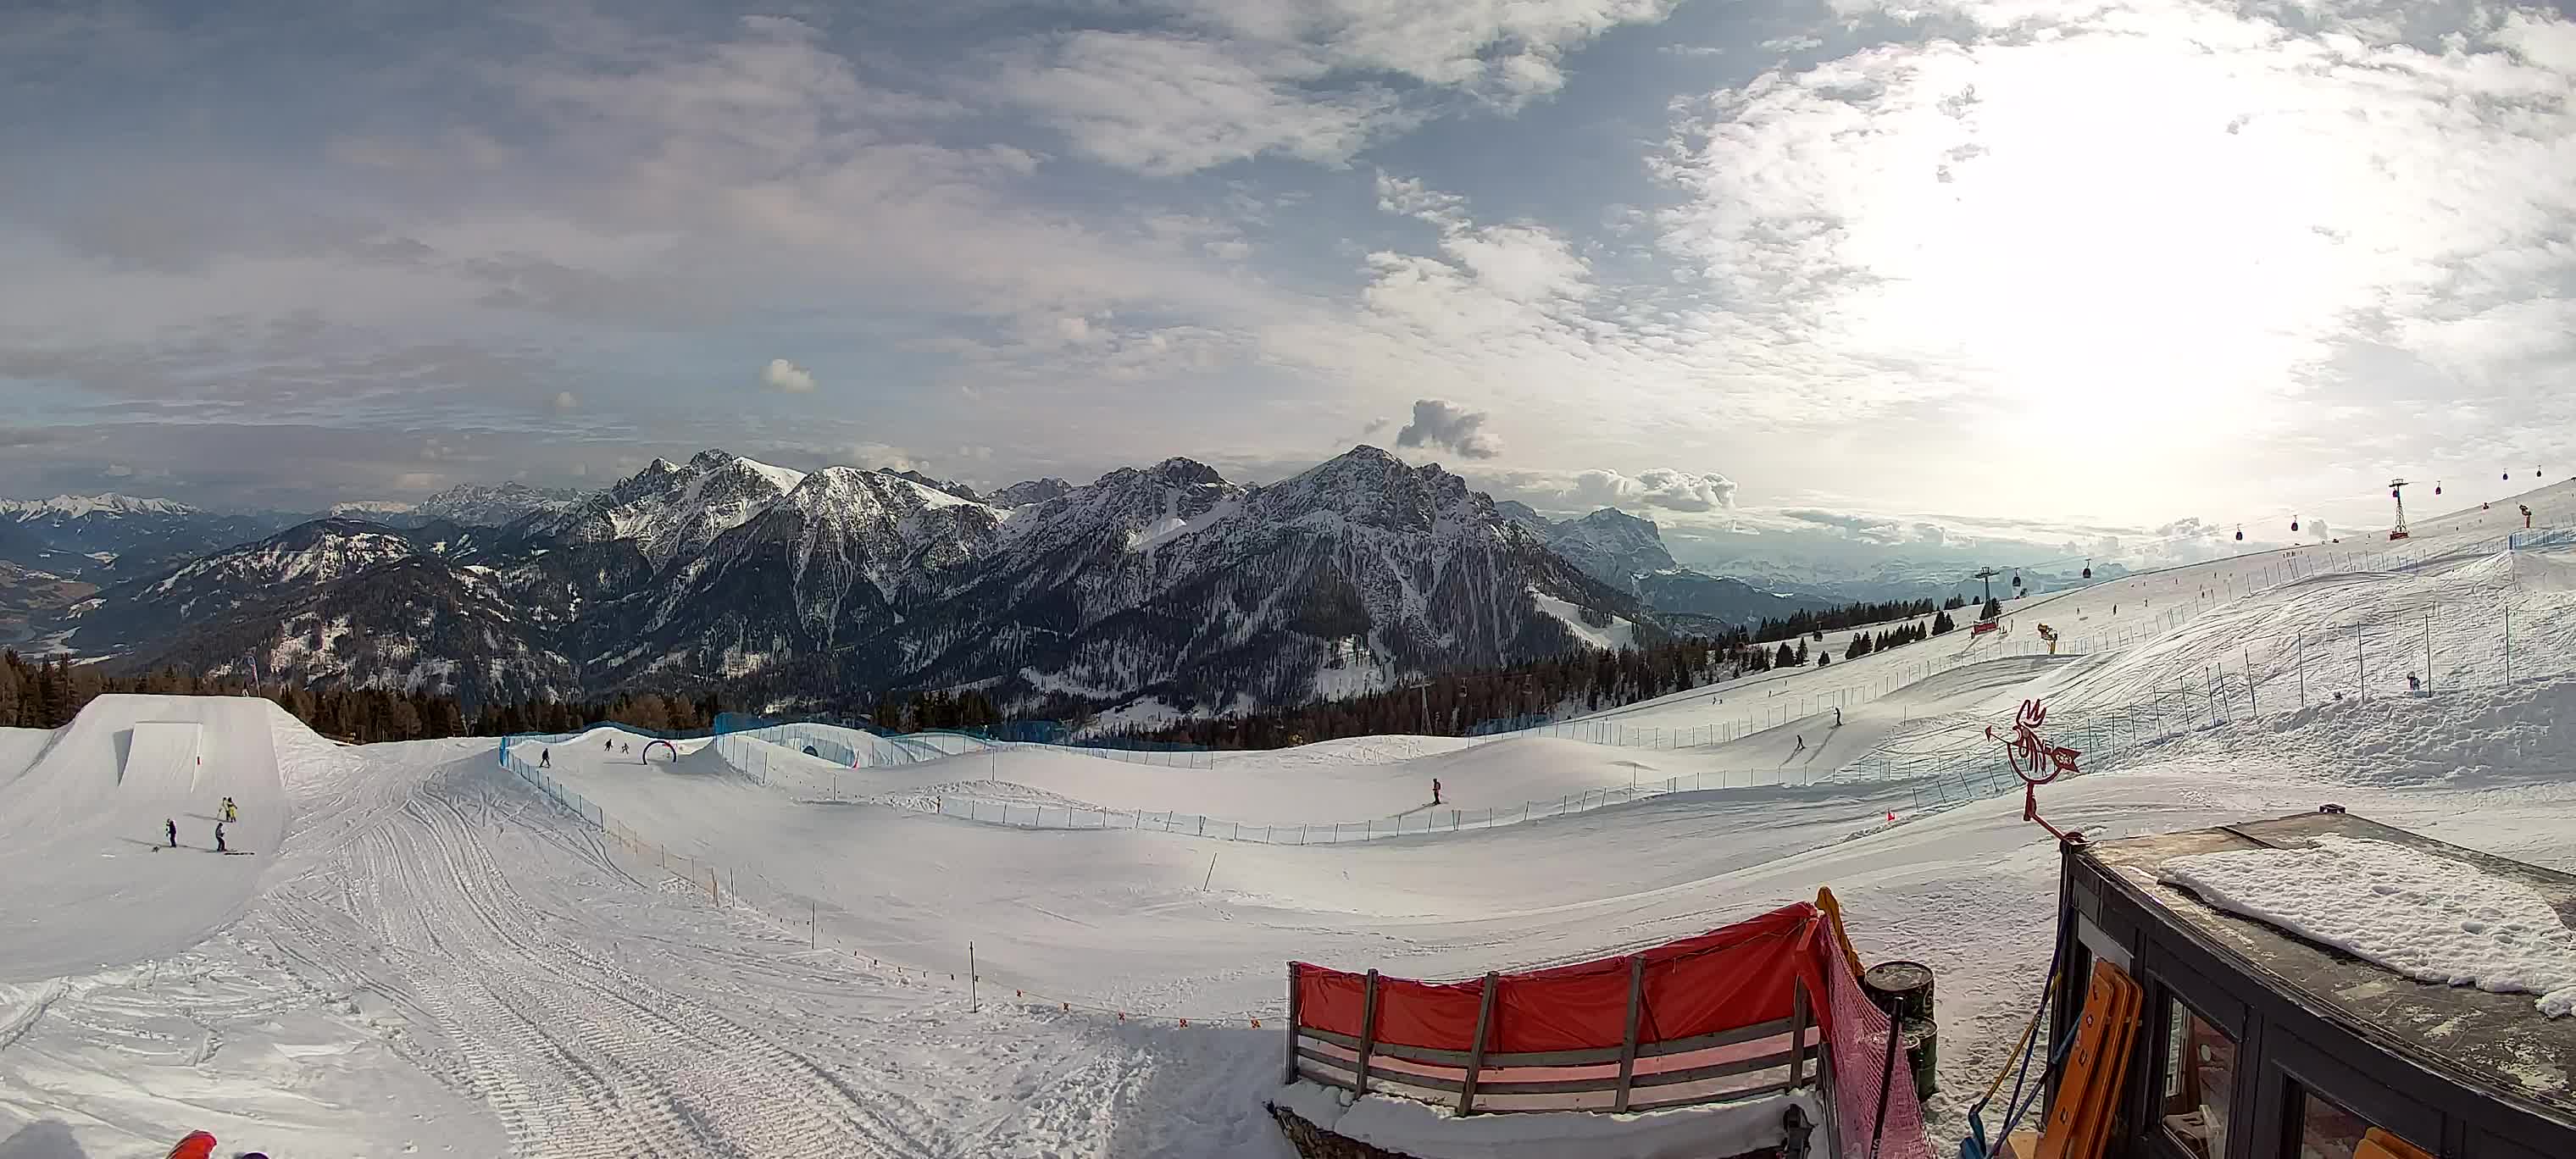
(1429, 1132)
(2428, 917)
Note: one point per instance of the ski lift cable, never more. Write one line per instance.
(2294, 516)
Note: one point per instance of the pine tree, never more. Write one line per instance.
(1994, 608)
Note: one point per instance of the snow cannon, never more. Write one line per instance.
(2312, 1030)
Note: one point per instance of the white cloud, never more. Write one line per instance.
(565, 402)
(1237, 80)
(782, 375)
(119, 471)
(880, 457)
(1440, 423)
(1166, 104)
(1662, 487)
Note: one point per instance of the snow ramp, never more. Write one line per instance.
(91, 884)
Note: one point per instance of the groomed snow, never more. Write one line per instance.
(429, 957)
(2431, 918)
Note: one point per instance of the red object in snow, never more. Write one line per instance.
(1984, 626)
(198, 1145)
(1728, 978)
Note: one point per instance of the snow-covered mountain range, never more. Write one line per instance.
(1168, 581)
(101, 537)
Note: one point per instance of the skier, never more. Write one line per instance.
(219, 838)
(1802, 747)
(545, 758)
(229, 814)
(172, 828)
(1435, 790)
(1838, 716)
(609, 745)
(2414, 687)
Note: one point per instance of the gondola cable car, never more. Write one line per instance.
(2088, 569)
(2294, 523)
(2240, 533)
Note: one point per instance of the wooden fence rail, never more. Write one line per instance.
(1633, 1075)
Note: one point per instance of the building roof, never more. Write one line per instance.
(2499, 1042)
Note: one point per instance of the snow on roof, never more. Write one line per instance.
(2420, 914)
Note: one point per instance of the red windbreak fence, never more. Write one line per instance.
(1729, 1013)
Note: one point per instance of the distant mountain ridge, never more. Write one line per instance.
(1169, 581)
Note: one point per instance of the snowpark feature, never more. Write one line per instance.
(428, 952)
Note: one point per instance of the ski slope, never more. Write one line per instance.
(82, 822)
(769, 954)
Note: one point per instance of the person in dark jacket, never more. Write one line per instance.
(173, 828)
(219, 837)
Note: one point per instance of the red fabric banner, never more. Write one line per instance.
(1726, 979)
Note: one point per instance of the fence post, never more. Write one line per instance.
(1628, 1048)
(2256, 705)
(1292, 1023)
(1797, 1032)
(2361, 666)
(1368, 1036)
(1476, 1053)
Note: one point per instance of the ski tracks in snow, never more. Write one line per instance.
(598, 1019)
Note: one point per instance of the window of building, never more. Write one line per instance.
(2326, 1130)
(2200, 1072)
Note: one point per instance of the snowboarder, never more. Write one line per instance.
(219, 838)
(545, 758)
(172, 828)
(1435, 790)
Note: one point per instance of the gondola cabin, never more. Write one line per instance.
(2251, 1042)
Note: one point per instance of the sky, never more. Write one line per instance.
(1899, 272)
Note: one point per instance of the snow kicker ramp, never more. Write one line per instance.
(81, 830)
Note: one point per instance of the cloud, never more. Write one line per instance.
(880, 457)
(1660, 487)
(782, 375)
(1230, 81)
(565, 402)
(119, 471)
(1439, 423)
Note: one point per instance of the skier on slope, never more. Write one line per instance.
(219, 838)
(545, 758)
(2414, 687)
(1802, 746)
(172, 828)
(1435, 790)
(1838, 716)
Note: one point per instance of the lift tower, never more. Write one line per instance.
(2397, 491)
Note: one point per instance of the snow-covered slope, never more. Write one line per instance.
(440, 957)
(79, 506)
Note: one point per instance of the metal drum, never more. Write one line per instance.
(1904, 991)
